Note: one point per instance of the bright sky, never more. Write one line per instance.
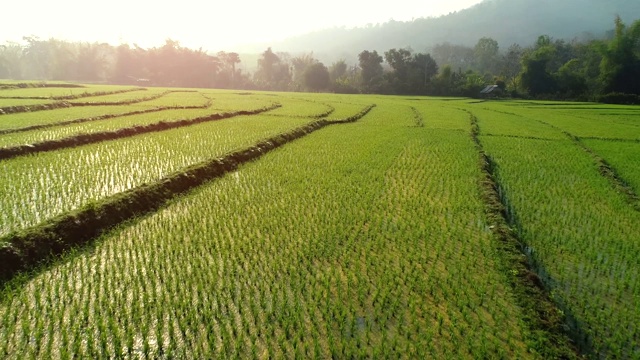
(213, 25)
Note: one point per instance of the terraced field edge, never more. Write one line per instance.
(84, 139)
(103, 117)
(67, 104)
(609, 173)
(72, 97)
(24, 250)
(549, 334)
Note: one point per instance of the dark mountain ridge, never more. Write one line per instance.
(507, 21)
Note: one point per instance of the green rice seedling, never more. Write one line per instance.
(493, 120)
(22, 102)
(301, 107)
(440, 117)
(365, 239)
(622, 156)
(178, 99)
(51, 117)
(325, 246)
(103, 169)
(580, 123)
(124, 98)
(581, 233)
(90, 127)
(57, 93)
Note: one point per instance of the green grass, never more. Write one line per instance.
(49, 117)
(624, 157)
(583, 234)
(60, 132)
(300, 107)
(495, 120)
(53, 92)
(360, 240)
(133, 96)
(365, 239)
(55, 182)
(22, 102)
(180, 99)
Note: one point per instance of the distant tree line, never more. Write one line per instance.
(605, 69)
(168, 65)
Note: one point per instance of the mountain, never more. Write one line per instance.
(507, 21)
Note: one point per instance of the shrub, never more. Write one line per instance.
(620, 98)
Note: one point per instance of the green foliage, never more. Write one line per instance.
(486, 54)
(272, 73)
(338, 70)
(412, 73)
(366, 239)
(535, 76)
(570, 80)
(619, 98)
(371, 70)
(363, 240)
(620, 67)
(569, 216)
(316, 77)
(512, 65)
(106, 168)
(580, 69)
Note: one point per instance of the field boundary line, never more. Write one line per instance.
(547, 323)
(610, 139)
(324, 114)
(520, 137)
(105, 117)
(609, 172)
(604, 169)
(26, 249)
(417, 117)
(328, 112)
(72, 97)
(122, 133)
(42, 84)
(66, 104)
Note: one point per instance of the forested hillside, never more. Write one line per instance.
(506, 21)
(522, 48)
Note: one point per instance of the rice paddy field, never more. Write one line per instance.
(297, 225)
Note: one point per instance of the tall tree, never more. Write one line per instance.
(11, 61)
(399, 60)
(486, 55)
(37, 59)
(411, 74)
(535, 76)
(316, 77)
(130, 64)
(272, 73)
(459, 57)
(338, 70)
(371, 70)
(228, 74)
(92, 61)
(620, 66)
(299, 66)
(424, 69)
(570, 79)
(511, 65)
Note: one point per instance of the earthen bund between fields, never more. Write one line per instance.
(26, 249)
